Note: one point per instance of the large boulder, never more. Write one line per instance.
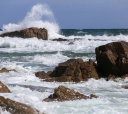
(15, 107)
(112, 58)
(73, 70)
(28, 33)
(63, 93)
(4, 88)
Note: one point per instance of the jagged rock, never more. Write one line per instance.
(28, 33)
(4, 88)
(65, 94)
(114, 78)
(15, 107)
(43, 75)
(6, 70)
(112, 58)
(73, 70)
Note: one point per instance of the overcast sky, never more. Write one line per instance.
(76, 14)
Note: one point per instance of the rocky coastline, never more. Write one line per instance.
(112, 63)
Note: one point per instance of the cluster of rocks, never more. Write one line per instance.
(112, 62)
(73, 70)
(12, 106)
(60, 94)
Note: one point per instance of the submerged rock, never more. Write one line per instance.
(15, 107)
(112, 58)
(4, 88)
(73, 70)
(6, 70)
(65, 94)
(28, 33)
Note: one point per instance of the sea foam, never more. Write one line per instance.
(40, 16)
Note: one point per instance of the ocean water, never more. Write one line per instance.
(28, 56)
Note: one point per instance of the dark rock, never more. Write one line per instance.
(28, 33)
(112, 58)
(43, 75)
(73, 70)
(4, 88)
(125, 87)
(124, 76)
(112, 77)
(6, 70)
(15, 107)
(93, 96)
(59, 39)
(65, 94)
(71, 43)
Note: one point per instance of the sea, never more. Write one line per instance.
(31, 55)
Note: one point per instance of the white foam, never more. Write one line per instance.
(4, 111)
(40, 16)
(50, 59)
(112, 99)
(36, 45)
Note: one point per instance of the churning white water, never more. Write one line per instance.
(40, 16)
(28, 56)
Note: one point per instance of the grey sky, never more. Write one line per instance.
(76, 14)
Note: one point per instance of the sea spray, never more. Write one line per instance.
(40, 16)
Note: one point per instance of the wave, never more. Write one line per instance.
(82, 44)
(40, 16)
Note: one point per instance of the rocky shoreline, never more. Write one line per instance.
(112, 63)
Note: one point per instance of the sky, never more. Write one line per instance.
(71, 14)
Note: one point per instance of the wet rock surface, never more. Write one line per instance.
(4, 88)
(15, 107)
(3, 70)
(63, 93)
(112, 58)
(73, 70)
(28, 33)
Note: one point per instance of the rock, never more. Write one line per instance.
(28, 33)
(71, 43)
(125, 87)
(112, 77)
(73, 70)
(60, 39)
(43, 75)
(93, 96)
(112, 58)
(4, 88)
(124, 76)
(5, 70)
(65, 94)
(15, 107)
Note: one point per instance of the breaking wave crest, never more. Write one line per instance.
(40, 16)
